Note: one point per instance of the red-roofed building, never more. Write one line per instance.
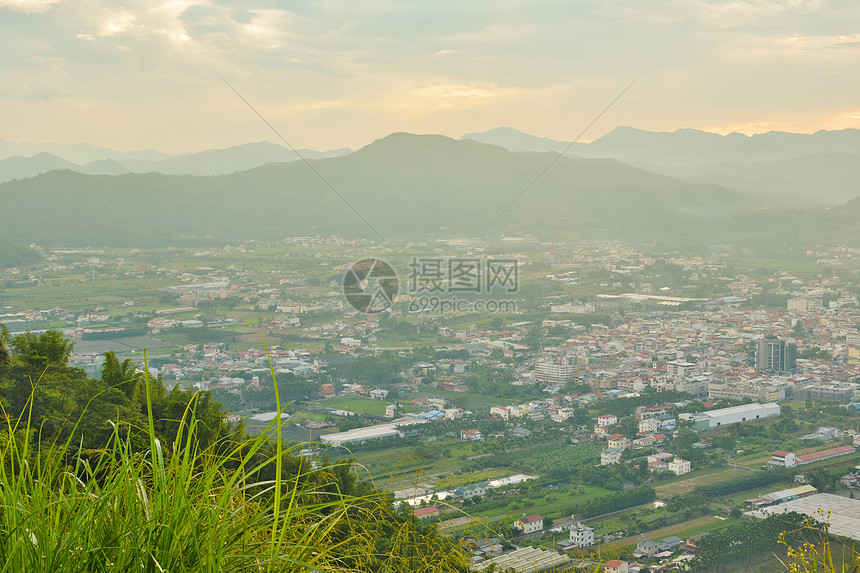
(472, 435)
(785, 459)
(530, 524)
(825, 455)
(425, 512)
(616, 566)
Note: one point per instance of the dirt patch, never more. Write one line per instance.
(658, 534)
(688, 485)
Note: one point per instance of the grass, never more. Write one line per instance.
(152, 511)
(143, 504)
(539, 504)
(456, 481)
(356, 404)
(682, 530)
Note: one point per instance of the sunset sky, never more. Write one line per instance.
(146, 74)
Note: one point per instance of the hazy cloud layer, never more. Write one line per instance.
(146, 73)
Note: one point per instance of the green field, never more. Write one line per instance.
(356, 404)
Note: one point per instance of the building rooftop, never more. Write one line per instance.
(825, 453)
(842, 513)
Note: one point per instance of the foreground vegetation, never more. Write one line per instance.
(175, 489)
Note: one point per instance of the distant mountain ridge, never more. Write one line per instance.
(406, 186)
(766, 164)
(92, 161)
(683, 146)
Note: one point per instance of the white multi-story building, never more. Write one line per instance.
(679, 467)
(617, 441)
(560, 371)
(500, 412)
(530, 524)
(803, 304)
(648, 425)
(581, 535)
(607, 420)
(679, 369)
(610, 456)
(562, 414)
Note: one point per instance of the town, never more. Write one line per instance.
(635, 403)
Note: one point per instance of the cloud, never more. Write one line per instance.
(29, 6)
(349, 69)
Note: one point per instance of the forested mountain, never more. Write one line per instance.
(405, 185)
(12, 255)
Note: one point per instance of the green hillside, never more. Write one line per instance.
(406, 186)
(12, 255)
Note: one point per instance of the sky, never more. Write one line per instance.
(151, 74)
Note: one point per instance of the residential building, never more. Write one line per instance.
(617, 441)
(649, 425)
(562, 414)
(647, 548)
(776, 355)
(472, 490)
(530, 524)
(607, 420)
(804, 304)
(694, 385)
(679, 467)
(425, 512)
(500, 412)
(616, 566)
(610, 456)
(679, 369)
(759, 389)
(559, 371)
(784, 459)
(471, 435)
(824, 393)
(581, 535)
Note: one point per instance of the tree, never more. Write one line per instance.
(735, 513)
(5, 359)
(684, 440)
(40, 351)
(821, 479)
(121, 376)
